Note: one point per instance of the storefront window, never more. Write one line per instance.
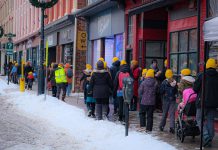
(213, 8)
(186, 56)
(96, 51)
(119, 46)
(130, 26)
(109, 51)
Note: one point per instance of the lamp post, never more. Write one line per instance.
(43, 4)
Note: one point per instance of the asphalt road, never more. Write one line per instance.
(18, 132)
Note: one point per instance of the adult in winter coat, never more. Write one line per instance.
(86, 74)
(101, 85)
(147, 93)
(113, 70)
(169, 92)
(118, 86)
(136, 72)
(61, 81)
(51, 78)
(69, 75)
(211, 100)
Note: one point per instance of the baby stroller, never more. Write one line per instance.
(186, 124)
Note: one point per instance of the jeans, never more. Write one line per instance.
(54, 91)
(208, 128)
(146, 116)
(168, 107)
(133, 104)
(69, 89)
(116, 104)
(61, 86)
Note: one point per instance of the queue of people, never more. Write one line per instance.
(153, 89)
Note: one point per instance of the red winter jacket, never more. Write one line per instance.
(136, 74)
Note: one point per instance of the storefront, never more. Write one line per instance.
(105, 30)
(165, 29)
(52, 43)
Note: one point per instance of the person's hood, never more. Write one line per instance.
(149, 82)
(116, 63)
(189, 79)
(124, 68)
(212, 72)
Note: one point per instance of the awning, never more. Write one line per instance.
(96, 7)
(211, 30)
(150, 6)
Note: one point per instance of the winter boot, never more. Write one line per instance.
(172, 130)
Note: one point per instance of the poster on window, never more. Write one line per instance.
(119, 46)
(109, 51)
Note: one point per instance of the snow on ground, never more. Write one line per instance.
(91, 134)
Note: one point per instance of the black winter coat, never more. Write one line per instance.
(168, 92)
(101, 84)
(28, 69)
(211, 89)
(114, 69)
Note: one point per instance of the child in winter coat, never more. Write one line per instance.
(147, 93)
(169, 92)
(30, 78)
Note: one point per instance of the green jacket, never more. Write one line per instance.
(60, 76)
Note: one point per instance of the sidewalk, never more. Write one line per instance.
(189, 143)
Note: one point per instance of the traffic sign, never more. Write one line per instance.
(9, 48)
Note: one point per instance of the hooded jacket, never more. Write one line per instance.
(114, 69)
(168, 92)
(211, 92)
(147, 91)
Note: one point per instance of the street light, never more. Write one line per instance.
(43, 4)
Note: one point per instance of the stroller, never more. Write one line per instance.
(186, 124)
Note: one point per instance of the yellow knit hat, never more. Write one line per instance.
(115, 59)
(169, 74)
(16, 64)
(211, 63)
(186, 72)
(101, 59)
(134, 62)
(123, 62)
(150, 73)
(88, 67)
(144, 71)
(105, 65)
(30, 73)
(165, 62)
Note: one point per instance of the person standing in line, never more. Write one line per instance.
(168, 90)
(51, 78)
(147, 93)
(61, 81)
(124, 72)
(101, 85)
(211, 101)
(69, 74)
(136, 72)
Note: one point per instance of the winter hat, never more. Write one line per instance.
(123, 62)
(67, 65)
(60, 65)
(115, 59)
(189, 79)
(134, 62)
(169, 74)
(30, 73)
(88, 67)
(165, 62)
(186, 72)
(144, 71)
(101, 59)
(150, 73)
(16, 64)
(211, 63)
(100, 65)
(105, 65)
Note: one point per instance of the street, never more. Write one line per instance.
(18, 132)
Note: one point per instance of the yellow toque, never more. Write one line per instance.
(123, 62)
(186, 72)
(169, 74)
(88, 67)
(150, 73)
(211, 63)
(101, 59)
(134, 62)
(115, 59)
(144, 71)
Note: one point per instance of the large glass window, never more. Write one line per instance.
(183, 51)
(213, 8)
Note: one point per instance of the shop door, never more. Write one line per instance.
(51, 55)
(155, 50)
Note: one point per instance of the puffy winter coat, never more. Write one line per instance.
(101, 84)
(114, 69)
(136, 74)
(168, 92)
(211, 85)
(147, 91)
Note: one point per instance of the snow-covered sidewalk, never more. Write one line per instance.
(89, 134)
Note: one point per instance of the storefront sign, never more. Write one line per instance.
(66, 35)
(82, 40)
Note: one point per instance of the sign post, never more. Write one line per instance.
(46, 67)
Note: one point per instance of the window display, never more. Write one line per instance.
(109, 51)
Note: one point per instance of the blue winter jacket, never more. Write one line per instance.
(168, 92)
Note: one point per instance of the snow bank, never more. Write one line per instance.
(91, 134)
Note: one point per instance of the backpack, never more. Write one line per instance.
(69, 73)
(189, 95)
(121, 76)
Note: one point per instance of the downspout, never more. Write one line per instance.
(74, 54)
